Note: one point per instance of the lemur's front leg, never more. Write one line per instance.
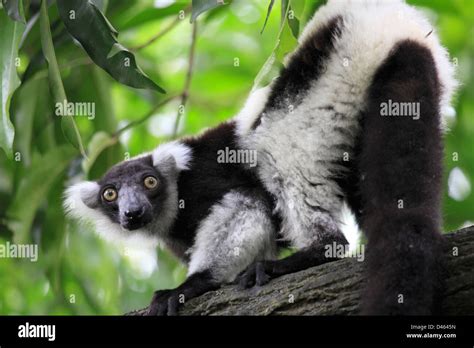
(166, 302)
(237, 232)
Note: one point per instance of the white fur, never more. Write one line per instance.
(111, 232)
(182, 154)
(348, 225)
(237, 232)
(253, 107)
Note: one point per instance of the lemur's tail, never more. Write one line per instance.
(401, 184)
(394, 59)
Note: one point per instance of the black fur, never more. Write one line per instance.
(401, 158)
(304, 67)
(207, 181)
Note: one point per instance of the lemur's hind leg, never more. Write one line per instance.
(237, 232)
(261, 272)
(305, 130)
(401, 178)
(311, 230)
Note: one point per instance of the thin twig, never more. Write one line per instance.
(187, 83)
(76, 62)
(161, 33)
(150, 113)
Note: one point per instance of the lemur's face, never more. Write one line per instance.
(132, 193)
(139, 195)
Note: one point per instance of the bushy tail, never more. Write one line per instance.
(401, 185)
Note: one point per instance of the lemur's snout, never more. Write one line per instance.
(134, 214)
(134, 218)
(134, 208)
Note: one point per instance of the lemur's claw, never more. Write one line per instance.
(257, 273)
(173, 305)
(164, 302)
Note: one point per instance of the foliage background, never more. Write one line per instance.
(78, 273)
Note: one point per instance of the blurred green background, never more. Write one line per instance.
(78, 273)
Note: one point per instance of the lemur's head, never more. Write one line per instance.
(137, 196)
(131, 193)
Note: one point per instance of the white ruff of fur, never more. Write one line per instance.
(253, 107)
(182, 154)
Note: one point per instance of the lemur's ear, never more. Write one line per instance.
(171, 157)
(81, 198)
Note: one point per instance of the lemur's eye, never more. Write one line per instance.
(150, 182)
(110, 194)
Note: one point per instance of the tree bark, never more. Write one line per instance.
(334, 288)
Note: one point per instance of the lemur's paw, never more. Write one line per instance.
(258, 273)
(164, 302)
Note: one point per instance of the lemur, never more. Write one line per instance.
(321, 140)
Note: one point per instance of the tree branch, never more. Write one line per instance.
(150, 113)
(161, 33)
(334, 288)
(187, 83)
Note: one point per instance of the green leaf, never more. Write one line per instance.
(104, 151)
(14, 10)
(285, 8)
(68, 125)
(269, 10)
(100, 87)
(201, 6)
(86, 23)
(24, 105)
(298, 7)
(283, 43)
(10, 35)
(152, 14)
(33, 189)
(101, 4)
(288, 42)
(294, 25)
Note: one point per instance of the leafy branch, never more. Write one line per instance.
(184, 95)
(87, 24)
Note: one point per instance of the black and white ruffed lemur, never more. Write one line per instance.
(321, 140)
